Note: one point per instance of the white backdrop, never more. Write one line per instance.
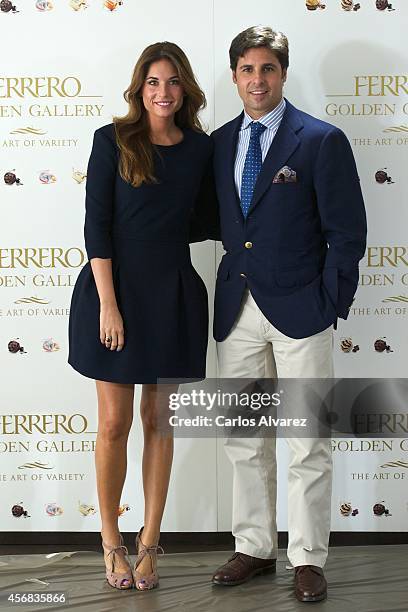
(63, 74)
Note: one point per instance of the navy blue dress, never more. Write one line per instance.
(146, 232)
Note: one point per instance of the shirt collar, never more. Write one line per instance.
(270, 120)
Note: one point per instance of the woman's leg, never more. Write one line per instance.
(115, 414)
(157, 460)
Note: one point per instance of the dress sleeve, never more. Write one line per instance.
(205, 222)
(99, 199)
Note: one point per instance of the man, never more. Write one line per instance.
(293, 226)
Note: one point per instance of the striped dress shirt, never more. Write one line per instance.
(271, 121)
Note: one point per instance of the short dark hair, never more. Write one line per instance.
(259, 36)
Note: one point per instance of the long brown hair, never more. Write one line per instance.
(132, 131)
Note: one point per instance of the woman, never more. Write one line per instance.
(139, 309)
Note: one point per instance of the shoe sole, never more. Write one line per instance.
(119, 588)
(271, 569)
(311, 599)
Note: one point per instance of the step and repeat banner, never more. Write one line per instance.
(65, 67)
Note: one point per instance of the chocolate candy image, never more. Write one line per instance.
(379, 509)
(53, 510)
(312, 5)
(15, 347)
(50, 346)
(10, 178)
(383, 4)
(380, 346)
(44, 5)
(77, 5)
(85, 509)
(355, 512)
(345, 509)
(18, 510)
(6, 6)
(46, 178)
(356, 348)
(346, 345)
(78, 176)
(382, 177)
(347, 5)
(112, 4)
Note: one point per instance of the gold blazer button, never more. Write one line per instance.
(248, 245)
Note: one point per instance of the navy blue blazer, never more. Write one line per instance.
(299, 247)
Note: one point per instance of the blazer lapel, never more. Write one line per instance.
(229, 158)
(283, 145)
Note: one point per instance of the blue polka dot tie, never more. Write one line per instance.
(252, 166)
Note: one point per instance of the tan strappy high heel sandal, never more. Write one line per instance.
(118, 580)
(150, 581)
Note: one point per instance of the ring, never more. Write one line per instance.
(108, 339)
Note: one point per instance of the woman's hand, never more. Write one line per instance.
(111, 327)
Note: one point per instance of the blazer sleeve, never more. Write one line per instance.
(343, 218)
(205, 221)
(99, 199)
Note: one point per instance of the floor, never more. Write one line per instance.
(361, 579)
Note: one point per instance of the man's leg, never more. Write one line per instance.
(310, 466)
(246, 354)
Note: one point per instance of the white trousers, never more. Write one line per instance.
(256, 349)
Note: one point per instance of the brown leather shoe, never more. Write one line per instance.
(310, 583)
(240, 568)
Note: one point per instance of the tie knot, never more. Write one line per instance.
(257, 129)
